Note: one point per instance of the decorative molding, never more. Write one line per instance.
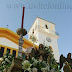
(4, 32)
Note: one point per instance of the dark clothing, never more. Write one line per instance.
(34, 53)
(69, 60)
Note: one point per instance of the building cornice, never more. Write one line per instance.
(42, 19)
(5, 32)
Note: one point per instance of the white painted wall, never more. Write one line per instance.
(6, 42)
(42, 38)
(41, 33)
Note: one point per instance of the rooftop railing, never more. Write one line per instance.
(43, 28)
(57, 33)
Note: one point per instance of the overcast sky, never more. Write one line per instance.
(58, 12)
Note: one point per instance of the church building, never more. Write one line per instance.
(43, 30)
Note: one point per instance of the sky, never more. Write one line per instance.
(58, 12)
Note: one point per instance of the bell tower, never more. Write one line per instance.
(46, 34)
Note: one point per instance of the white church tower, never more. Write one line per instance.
(45, 33)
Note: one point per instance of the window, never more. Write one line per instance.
(8, 50)
(1, 51)
(46, 26)
(14, 53)
(33, 31)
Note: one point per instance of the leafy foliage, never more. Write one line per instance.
(49, 63)
(6, 61)
(33, 64)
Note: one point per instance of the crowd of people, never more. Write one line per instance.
(40, 54)
(67, 61)
(37, 53)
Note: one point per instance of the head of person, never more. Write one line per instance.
(35, 48)
(41, 46)
(69, 55)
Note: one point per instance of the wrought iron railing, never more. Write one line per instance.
(57, 33)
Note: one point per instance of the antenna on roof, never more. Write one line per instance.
(6, 26)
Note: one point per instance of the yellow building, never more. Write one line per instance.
(9, 42)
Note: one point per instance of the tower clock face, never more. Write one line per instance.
(48, 39)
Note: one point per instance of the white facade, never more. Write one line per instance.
(6, 42)
(45, 33)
